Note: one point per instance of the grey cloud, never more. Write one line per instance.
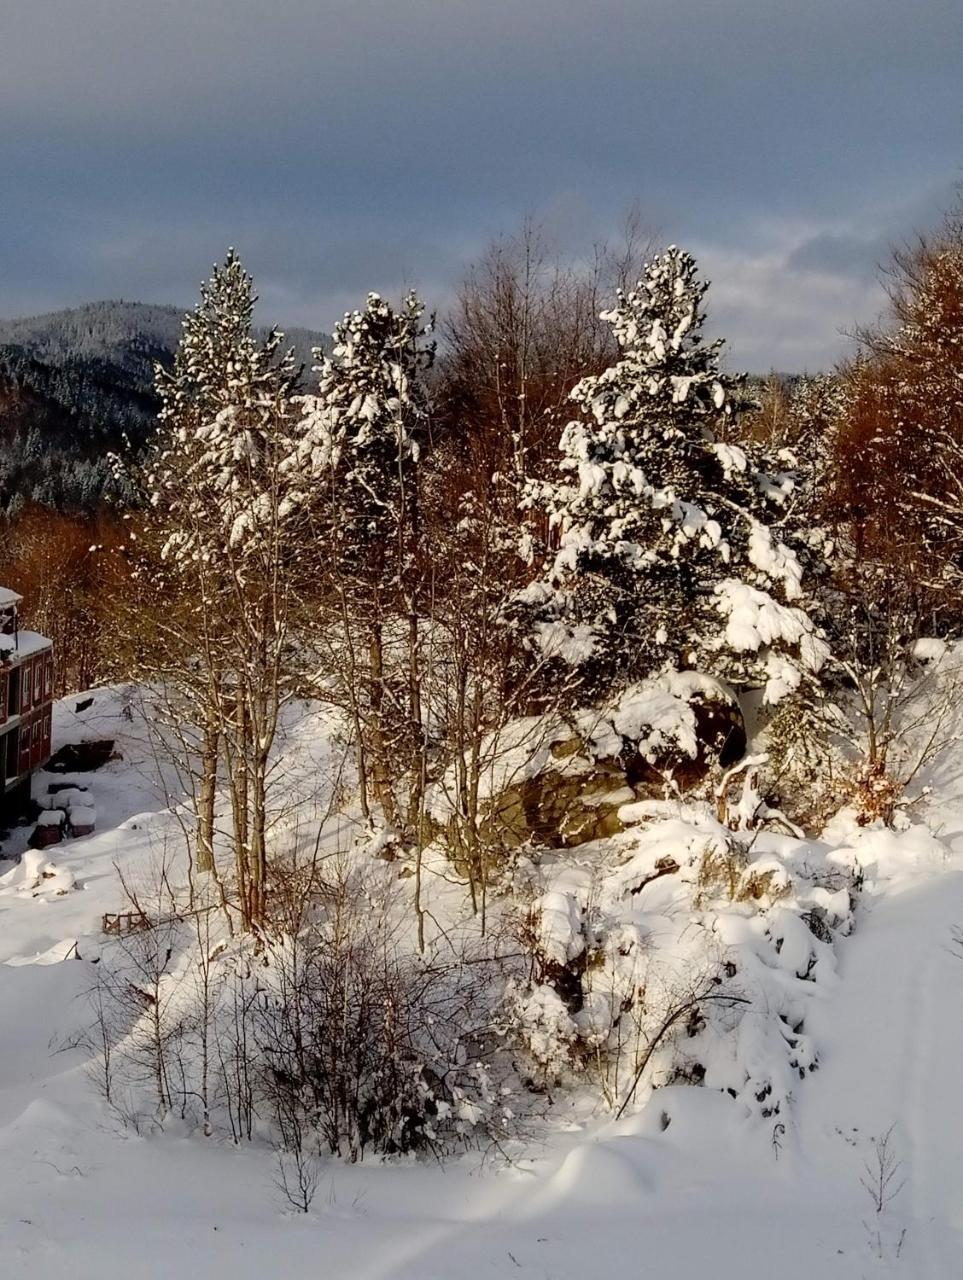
(839, 254)
(349, 144)
(864, 253)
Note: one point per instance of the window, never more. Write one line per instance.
(37, 680)
(13, 693)
(13, 754)
(10, 755)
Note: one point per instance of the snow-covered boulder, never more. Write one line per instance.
(659, 737)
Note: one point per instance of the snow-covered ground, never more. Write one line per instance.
(686, 1188)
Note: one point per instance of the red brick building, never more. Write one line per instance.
(26, 698)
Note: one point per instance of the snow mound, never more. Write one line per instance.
(36, 876)
(693, 949)
(611, 1173)
(883, 856)
(57, 954)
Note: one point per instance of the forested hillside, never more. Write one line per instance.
(77, 385)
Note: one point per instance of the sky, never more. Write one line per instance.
(348, 145)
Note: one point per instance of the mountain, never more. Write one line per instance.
(124, 336)
(75, 386)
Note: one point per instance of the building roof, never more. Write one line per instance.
(23, 645)
(8, 597)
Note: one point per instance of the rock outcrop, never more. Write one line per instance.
(657, 739)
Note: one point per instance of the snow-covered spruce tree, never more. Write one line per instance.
(224, 508)
(364, 429)
(661, 551)
(808, 520)
(801, 737)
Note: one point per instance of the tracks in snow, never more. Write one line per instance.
(893, 1049)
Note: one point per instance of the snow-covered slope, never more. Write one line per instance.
(688, 1187)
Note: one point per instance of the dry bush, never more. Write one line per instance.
(873, 792)
(331, 1037)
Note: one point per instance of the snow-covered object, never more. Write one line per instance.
(49, 828)
(660, 523)
(83, 819)
(539, 1017)
(558, 926)
(51, 818)
(680, 912)
(35, 876)
(23, 644)
(654, 719)
(930, 649)
(882, 856)
(649, 715)
(69, 797)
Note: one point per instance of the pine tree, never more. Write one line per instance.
(224, 410)
(363, 432)
(662, 551)
(816, 406)
(366, 424)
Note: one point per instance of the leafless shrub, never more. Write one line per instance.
(882, 1181)
(328, 1032)
(297, 1177)
(683, 1003)
(367, 1047)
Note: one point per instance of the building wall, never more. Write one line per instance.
(25, 719)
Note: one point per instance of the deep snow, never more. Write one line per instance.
(688, 1187)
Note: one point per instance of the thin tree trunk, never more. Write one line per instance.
(240, 806)
(206, 795)
(381, 776)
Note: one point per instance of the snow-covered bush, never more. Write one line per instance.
(332, 1035)
(362, 1047)
(679, 950)
(537, 1019)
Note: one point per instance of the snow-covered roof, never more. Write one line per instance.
(29, 642)
(8, 597)
(23, 645)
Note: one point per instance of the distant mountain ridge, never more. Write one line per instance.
(132, 336)
(78, 384)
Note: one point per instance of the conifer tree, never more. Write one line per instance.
(661, 551)
(363, 432)
(815, 410)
